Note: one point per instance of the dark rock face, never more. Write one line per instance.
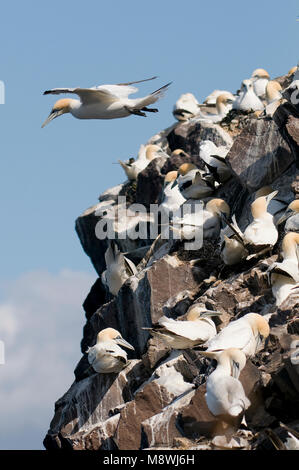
(259, 154)
(158, 400)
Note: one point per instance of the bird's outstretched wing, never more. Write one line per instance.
(88, 95)
(102, 93)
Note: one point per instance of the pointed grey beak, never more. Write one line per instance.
(52, 115)
(284, 217)
(124, 343)
(210, 313)
(174, 183)
(271, 196)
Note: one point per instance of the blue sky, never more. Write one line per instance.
(49, 176)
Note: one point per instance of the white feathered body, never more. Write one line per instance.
(107, 357)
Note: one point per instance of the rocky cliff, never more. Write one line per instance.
(158, 401)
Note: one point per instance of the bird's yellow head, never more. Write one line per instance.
(260, 205)
(170, 176)
(218, 206)
(152, 151)
(260, 73)
(272, 90)
(179, 152)
(110, 334)
(60, 107)
(258, 324)
(289, 244)
(185, 168)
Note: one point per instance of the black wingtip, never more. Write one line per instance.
(47, 92)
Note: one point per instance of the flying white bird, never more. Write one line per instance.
(118, 268)
(104, 102)
(106, 356)
(225, 394)
(186, 334)
(247, 333)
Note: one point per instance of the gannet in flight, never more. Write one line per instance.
(186, 334)
(133, 167)
(193, 182)
(225, 394)
(291, 217)
(284, 276)
(106, 356)
(248, 100)
(260, 79)
(186, 107)
(104, 102)
(214, 158)
(118, 268)
(247, 333)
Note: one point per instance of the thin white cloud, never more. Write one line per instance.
(41, 321)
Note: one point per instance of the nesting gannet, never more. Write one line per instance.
(232, 250)
(248, 100)
(275, 206)
(104, 102)
(214, 158)
(292, 70)
(134, 167)
(291, 217)
(210, 223)
(260, 79)
(284, 276)
(106, 356)
(186, 334)
(225, 394)
(223, 106)
(186, 107)
(118, 268)
(212, 97)
(247, 333)
(193, 182)
(262, 230)
(172, 199)
(273, 90)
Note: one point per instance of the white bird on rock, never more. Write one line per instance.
(224, 104)
(284, 276)
(273, 91)
(193, 182)
(104, 102)
(106, 356)
(209, 224)
(225, 394)
(214, 158)
(248, 100)
(212, 97)
(262, 230)
(276, 206)
(247, 333)
(232, 250)
(260, 79)
(134, 167)
(118, 268)
(186, 334)
(172, 199)
(186, 107)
